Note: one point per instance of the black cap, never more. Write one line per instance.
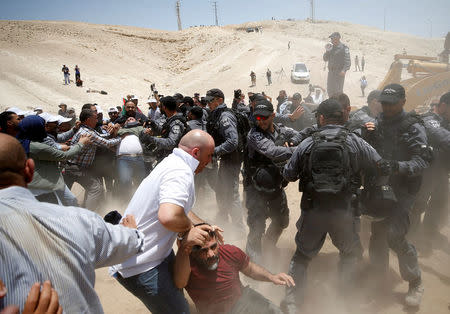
(375, 94)
(392, 93)
(263, 108)
(445, 99)
(335, 35)
(329, 108)
(256, 97)
(212, 93)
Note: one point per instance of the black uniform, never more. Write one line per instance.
(326, 201)
(222, 125)
(264, 184)
(338, 60)
(400, 139)
(433, 194)
(170, 135)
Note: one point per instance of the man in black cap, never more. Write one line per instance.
(433, 196)
(338, 56)
(366, 113)
(269, 146)
(328, 164)
(222, 124)
(400, 139)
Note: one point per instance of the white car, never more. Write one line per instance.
(299, 73)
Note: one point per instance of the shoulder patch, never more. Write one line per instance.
(434, 123)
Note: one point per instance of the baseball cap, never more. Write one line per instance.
(215, 92)
(392, 93)
(99, 109)
(62, 104)
(112, 109)
(38, 108)
(263, 108)
(71, 109)
(17, 111)
(256, 97)
(335, 35)
(151, 100)
(49, 118)
(61, 119)
(297, 96)
(329, 108)
(375, 94)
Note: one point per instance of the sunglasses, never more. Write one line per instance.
(263, 118)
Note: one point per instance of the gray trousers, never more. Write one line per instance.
(227, 192)
(313, 227)
(335, 83)
(262, 206)
(391, 233)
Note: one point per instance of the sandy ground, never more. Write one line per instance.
(125, 60)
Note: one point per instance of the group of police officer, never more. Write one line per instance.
(369, 162)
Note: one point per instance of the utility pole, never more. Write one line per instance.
(384, 20)
(312, 12)
(215, 12)
(178, 15)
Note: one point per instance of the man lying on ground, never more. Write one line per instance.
(210, 274)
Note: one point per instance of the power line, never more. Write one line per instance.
(177, 8)
(215, 12)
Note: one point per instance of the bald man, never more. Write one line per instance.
(162, 207)
(42, 241)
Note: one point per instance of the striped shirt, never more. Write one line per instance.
(42, 241)
(87, 155)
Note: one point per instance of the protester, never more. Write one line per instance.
(9, 123)
(51, 242)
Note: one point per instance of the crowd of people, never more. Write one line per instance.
(368, 162)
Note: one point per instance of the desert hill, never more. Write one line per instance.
(124, 60)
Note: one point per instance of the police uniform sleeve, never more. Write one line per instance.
(367, 155)
(416, 139)
(170, 142)
(228, 130)
(438, 136)
(291, 169)
(267, 147)
(326, 55)
(294, 136)
(347, 60)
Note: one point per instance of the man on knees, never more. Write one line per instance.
(162, 207)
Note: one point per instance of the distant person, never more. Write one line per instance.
(77, 73)
(338, 56)
(363, 63)
(253, 78)
(65, 70)
(269, 77)
(363, 84)
(289, 45)
(357, 67)
(62, 110)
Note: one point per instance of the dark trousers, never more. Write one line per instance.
(335, 83)
(313, 227)
(262, 206)
(155, 288)
(227, 191)
(252, 302)
(90, 181)
(391, 233)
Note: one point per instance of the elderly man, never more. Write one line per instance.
(162, 206)
(42, 241)
(210, 273)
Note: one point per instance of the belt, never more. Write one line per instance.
(130, 155)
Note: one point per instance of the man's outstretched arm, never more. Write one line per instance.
(259, 273)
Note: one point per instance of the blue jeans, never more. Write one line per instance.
(132, 171)
(66, 79)
(155, 288)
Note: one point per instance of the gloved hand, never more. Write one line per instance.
(387, 167)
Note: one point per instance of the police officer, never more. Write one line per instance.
(328, 164)
(162, 140)
(269, 147)
(338, 56)
(433, 195)
(367, 113)
(401, 140)
(223, 127)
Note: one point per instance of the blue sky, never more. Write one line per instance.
(413, 16)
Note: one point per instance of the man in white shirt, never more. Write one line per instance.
(162, 207)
